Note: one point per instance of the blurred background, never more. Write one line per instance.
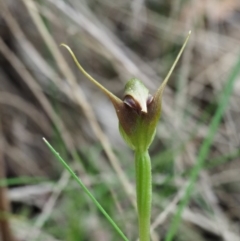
(43, 94)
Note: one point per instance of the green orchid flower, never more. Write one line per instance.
(138, 114)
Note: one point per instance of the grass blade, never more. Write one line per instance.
(204, 150)
(66, 166)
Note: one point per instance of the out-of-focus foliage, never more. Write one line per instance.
(42, 93)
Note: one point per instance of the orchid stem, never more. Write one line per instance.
(144, 193)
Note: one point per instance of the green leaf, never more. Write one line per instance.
(68, 168)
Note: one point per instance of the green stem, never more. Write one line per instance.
(144, 193)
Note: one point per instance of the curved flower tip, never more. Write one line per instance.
(114, 99)
(159, 92)
(136, 95)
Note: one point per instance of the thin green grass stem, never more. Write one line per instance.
(67, 167)
(204, 150)
(144, 193)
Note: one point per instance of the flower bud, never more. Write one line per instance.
(138, 116)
